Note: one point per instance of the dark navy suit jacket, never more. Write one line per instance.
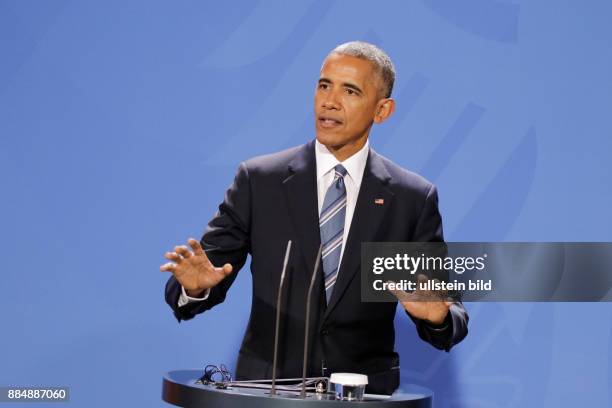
(274, 199)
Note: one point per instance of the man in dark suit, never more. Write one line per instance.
(334, 190)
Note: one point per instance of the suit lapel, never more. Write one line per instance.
(366, 221)
(301, 193)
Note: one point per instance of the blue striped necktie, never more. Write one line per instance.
(331, 225)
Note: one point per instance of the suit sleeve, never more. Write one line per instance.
(226, 240)
(454, 328)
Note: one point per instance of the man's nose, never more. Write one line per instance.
(331, 101)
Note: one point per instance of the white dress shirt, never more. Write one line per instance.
(326, 161)
(354, 166)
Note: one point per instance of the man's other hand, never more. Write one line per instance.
(193, 270)
(429, 305)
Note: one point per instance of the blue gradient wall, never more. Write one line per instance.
(122, 123)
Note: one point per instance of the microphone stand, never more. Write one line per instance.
(278, 305)
(306, 327)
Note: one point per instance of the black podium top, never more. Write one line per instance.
(180, 388)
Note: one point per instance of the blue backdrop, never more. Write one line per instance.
(122, 124)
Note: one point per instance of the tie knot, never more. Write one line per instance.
(340, 171)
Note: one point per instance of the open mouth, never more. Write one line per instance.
(328, 122)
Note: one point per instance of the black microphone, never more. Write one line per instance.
(278, 306)
(312, 281)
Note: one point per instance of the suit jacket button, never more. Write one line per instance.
(324, 332)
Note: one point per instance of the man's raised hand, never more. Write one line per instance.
(194, 270)
(429, 305)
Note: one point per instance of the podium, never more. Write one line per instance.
(180, 388)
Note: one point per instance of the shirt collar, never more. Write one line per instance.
(354, 165)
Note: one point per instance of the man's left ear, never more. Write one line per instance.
(384, 110)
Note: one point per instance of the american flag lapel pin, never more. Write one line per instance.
(379, 201)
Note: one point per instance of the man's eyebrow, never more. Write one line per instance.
(344, 84)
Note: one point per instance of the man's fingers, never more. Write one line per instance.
(167, 267)
(400, 294)
(225, 269)
(422, 279)
(438, 293)
(174, 257)
(195, 245)
(183, 251)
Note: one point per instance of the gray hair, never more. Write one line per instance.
(370, 52)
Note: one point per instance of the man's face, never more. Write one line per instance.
(346, 103)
